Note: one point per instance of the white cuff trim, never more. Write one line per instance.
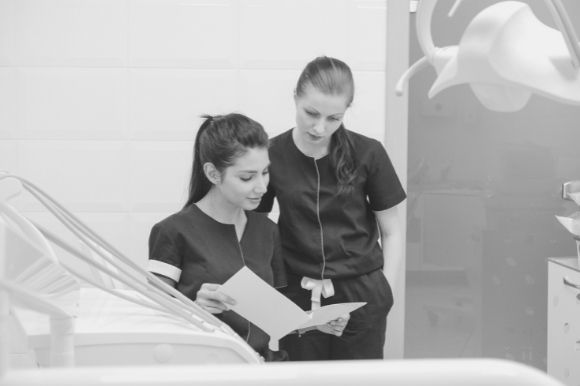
(165, 269)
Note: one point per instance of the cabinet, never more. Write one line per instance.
(564, 319)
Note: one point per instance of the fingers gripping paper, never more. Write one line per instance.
(273, 312)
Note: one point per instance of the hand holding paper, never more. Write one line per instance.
(211, 300)
(336, 326)
(274, 313)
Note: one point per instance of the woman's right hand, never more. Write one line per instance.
(335, 327)
(210, 299)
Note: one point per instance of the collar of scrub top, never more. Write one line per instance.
(505, 54)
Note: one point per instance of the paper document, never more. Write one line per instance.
(325, 314)
(273, 312)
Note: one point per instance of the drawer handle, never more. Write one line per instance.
(570, 284)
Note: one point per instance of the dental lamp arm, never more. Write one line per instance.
(566, 27)
(423, 27)
(404, 79)
(433, 55)
(454, 8)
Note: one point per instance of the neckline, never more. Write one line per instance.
(293, 144)
(231, 227)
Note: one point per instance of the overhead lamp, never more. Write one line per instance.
(505, 55)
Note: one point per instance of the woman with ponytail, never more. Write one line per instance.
(217, 232)
(333, 187)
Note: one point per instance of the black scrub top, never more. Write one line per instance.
(324, 234)
(192, 248)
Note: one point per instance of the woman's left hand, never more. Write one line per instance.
(336, 326)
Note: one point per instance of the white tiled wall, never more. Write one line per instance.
(100, 99)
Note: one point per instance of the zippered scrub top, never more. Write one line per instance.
(192, 248)
(326, 235)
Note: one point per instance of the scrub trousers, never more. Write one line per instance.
(364, 335)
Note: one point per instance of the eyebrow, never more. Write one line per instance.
(253, 170)
(312, 109)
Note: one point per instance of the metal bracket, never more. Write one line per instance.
(570, 187)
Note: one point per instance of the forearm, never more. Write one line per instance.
(393, 256)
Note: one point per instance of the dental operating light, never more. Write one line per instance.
(505, 55)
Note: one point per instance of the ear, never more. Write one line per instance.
(213, 175)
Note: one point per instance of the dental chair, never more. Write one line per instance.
(120, 315)
(221, 371)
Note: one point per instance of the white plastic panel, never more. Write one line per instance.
(109, 331)
(563, 322)
(333, 373)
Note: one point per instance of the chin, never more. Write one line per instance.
(251, 206)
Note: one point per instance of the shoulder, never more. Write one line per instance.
(281, 141)
(282, 153)
(369, 152)
(175, 223)
(364, 143)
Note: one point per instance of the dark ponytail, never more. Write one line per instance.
(221, 139)
(333, 77)
(342, 157)
(199, 185)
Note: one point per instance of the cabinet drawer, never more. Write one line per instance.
(564, 323)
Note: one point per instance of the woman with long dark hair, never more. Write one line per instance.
(338, 194)
(217, 232)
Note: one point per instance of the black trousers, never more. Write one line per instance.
(364, 335)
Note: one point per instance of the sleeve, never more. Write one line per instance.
(278, 266)
(164, 258)
(383, 186)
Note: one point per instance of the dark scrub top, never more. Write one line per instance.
(192, 248)
(326, 235)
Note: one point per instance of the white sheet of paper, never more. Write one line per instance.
(330, 312)
(273, 312)
(262, 304)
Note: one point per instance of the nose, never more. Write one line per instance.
(319, 127)
(261, 184)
